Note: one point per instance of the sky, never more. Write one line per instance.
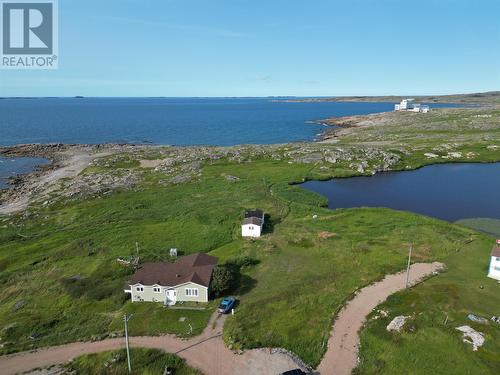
(264, 48)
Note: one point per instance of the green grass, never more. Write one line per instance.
(486, 225)
(428, 345)
(143, 361)
(60, 259)
(152, 319)
(303, 280)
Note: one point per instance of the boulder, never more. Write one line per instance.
(397, 323)
(471, 336)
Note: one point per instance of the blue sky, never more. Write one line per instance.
(261, 48)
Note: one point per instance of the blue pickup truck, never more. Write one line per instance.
(226, 305)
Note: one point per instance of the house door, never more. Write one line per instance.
(171, 297)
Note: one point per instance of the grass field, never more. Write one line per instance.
(143, 361)
(486, 225)
(430, 343)
(304, 279)
(61, 281)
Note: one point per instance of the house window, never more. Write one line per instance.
(496, 268)
(191, 292)
(156, 289)
(139, 289)
(498, 259)
(250, 227)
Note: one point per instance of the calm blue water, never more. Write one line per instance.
(176, 121)
(10, 167)
(448, 191)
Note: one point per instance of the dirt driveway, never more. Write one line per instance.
(342, 354)
(208, 353)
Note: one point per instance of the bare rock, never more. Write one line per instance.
(471, 336)
(397, 323)
(18, 305)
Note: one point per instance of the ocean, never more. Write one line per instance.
(167, 121)
(173, 121)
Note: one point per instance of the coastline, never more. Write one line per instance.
(66, 161)
(393, 135)
(489, 98)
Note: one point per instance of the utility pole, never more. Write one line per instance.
(408, 267)
(125, 320)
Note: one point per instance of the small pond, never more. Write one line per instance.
(10, 167)
(445, 191)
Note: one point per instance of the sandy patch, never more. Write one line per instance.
(151, 163)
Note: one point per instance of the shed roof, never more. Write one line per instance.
(254, 213)
(196, 268)
(495, 252)
(252, 220)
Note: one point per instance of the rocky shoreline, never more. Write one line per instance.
(66, 161)
(341, 126)
(109, 167)
(370, 144)
(70, 156)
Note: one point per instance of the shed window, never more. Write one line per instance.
(496, 268)
(140, 289)
(191, 292)
(157, 289)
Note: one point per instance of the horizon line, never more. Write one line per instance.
(239, 97)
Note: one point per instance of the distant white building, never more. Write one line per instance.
(494, 271)
(410, 105)
(253, 223)
(404, 105)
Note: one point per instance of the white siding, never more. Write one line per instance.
(183, 295)
(494, 271)
(148, 293)
(251, 230)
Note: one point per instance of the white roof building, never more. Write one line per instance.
(494, 271)
(410, 105)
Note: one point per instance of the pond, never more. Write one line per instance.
(445, 191)
(10, 167)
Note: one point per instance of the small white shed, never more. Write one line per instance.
(494, 271)
(253, 223)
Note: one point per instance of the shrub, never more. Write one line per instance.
(223, 279)
(243, 261)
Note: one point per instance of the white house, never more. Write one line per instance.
(253, 223)
(187, 279)
(410, 105)
(494, 271)
(404, 105)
